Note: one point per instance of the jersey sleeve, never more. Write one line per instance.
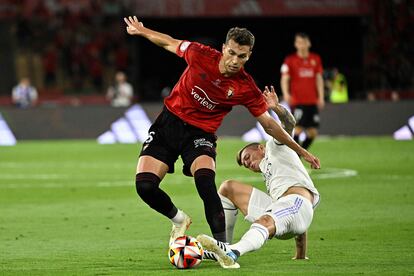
(285, 68)
(190, 50)
(256, 103)
(182, 48)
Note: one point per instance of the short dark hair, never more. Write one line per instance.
(238, 157)
(302, 35)
(241, 35)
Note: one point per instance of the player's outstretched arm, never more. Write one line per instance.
(274, 129)
(320, 87)
(301, 242)
(287, 119)
(136, 27)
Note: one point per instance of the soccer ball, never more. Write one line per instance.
(185, 252)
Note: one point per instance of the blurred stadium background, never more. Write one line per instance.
(74, 47)
(71, 50)
(68, 206)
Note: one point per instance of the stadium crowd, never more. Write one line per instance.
(389, 50)
(76, 46)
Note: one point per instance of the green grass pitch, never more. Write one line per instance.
(70, 208)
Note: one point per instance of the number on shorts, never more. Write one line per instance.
(150, 137)
(298, 113)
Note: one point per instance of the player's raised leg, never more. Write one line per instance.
(225, 256)
(253, 239)
(150, 172)
(234, 196)
(203, 169)
(289, 216)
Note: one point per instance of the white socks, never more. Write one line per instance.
(230, 213)
(252, 240)
(178, 218)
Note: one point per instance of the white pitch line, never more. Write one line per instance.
(115, 184)
(326, 173)
(79, 165)
(332, 173)
(43, 176)
(51, 185)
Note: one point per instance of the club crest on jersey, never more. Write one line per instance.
(230, 92)
(202, 98)
(313, 62)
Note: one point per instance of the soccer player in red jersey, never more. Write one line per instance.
(302, 88)
(210, 86)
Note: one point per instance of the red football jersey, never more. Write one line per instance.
(203, 96)
(302, 73)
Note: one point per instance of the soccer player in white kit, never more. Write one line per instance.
(284, 212)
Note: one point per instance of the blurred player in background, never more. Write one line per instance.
(303, 89)
(24, 95)
(210, 86)
(285, 211)
(121, 93)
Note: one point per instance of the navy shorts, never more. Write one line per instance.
(170, 137)
(306, 116)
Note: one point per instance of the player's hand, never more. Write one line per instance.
(312, 160)
(270, 97)
(321, 104)
(134, 26)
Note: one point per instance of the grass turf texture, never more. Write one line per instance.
(70, 207)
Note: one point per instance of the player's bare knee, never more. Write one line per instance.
(226, 188)
(268, 222)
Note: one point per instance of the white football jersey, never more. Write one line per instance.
(281, 168)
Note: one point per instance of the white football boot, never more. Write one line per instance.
(225, 256)
(178, 230)
(209, 255)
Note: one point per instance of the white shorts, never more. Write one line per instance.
(257, 205)
(292, 214)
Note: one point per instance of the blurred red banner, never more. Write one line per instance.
(189, 8)
(229, 8)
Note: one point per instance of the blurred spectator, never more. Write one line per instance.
(338, 92)
(121, 93)
(50, 63)
(371, 96)
(395, 97)
(24, 95)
